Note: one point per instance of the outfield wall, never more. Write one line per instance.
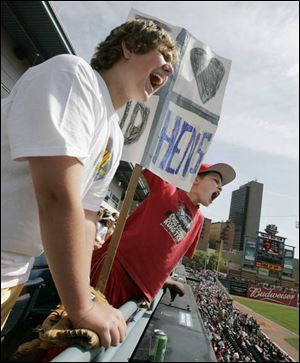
(274, 295)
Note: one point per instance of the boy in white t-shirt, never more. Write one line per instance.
(56, 124)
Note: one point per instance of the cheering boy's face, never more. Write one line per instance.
(206, 188)
(146, 73)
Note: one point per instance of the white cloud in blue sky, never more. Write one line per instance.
(259, 125)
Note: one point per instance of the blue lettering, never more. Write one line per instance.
(206, 136)
(163, 137)
(187, 164)
(185, 128)
(173, 136)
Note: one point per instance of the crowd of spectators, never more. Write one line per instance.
(105, 226)
(234, 336)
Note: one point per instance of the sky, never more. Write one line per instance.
(258, 132)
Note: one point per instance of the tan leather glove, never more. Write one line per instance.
(57, 330)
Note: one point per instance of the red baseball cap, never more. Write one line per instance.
(226, 171)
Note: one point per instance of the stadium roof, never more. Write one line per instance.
(35, 29)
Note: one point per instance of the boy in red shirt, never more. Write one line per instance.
(163, 229)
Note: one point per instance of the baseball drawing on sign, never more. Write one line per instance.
(137, 123)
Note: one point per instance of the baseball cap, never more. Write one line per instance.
(226, 171)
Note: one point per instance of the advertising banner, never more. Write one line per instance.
(249, 253)
(171, 133)
(272, 295)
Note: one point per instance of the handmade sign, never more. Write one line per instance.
(171, 133)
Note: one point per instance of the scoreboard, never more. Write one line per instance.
(269, 266)
(270, 252)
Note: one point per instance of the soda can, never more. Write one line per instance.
(158, 346)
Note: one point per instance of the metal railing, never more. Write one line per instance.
(137, 319)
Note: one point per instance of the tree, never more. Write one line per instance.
(199, 259)
(197, 262)
(213, 262)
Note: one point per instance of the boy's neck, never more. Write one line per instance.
(193, 198)
(115, 88)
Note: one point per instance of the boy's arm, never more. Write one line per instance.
(91, 220)
(57, 186)
(153, 181)
(175, 287)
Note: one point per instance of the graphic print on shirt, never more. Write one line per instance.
(178, 223)
(104, 166)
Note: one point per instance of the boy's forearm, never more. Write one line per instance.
(91, 219)
(64, 239)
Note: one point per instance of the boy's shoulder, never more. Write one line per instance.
(67, 62)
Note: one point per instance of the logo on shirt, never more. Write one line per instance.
(178, 224)
(104, 166)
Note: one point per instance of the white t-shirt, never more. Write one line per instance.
(101, 232)
(106, 168)
(60, 107)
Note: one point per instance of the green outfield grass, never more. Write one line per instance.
(294, 342)
(285, 316)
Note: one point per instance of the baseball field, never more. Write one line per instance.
(285, 316)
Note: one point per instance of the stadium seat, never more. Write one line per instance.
(23, 306)
(48, 298)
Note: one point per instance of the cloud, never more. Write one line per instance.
(280, 195)
(293, 72)
(261, 135)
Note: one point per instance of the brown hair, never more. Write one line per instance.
(139, 36)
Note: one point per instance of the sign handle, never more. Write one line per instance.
(115, 239)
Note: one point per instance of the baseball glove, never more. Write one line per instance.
(57, 330)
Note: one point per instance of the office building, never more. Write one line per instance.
(221, 230)
(204, 236)
(245, 210)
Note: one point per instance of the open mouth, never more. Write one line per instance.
(215, 195)
(156, 80)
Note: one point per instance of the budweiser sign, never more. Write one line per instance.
(272, 295)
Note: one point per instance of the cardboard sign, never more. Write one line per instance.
(170, 134)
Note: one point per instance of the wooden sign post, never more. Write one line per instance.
(115, 239)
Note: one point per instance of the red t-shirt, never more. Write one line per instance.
(163, 229)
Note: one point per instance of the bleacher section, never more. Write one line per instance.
(234, 336)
